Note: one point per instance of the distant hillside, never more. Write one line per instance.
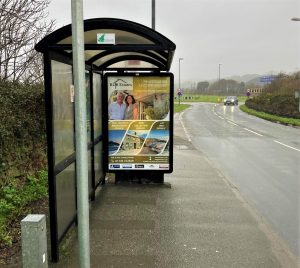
(255, 81)
(244, 78)
(248, 79)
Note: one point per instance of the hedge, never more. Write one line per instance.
(282, 105)
(22, 129)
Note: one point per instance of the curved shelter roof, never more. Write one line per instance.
(136, 47)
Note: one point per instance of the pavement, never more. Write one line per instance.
(197, 218)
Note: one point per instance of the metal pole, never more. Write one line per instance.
(219, 76)
(80, 133)
(179, 96)
(297, 96)
(153, 14)
(179, 75)
(179, 71)
(297, 19)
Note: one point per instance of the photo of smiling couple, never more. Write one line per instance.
(123, 108)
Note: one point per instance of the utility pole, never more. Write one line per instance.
(81, 133)
(297, 93)
(153, 14)
(220, 77)
(179, 89)
(180, 59)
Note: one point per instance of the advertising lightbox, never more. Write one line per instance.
(140, 121)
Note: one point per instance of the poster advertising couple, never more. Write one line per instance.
(139, 122)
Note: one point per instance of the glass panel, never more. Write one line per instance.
(90, 170)
(97, 99)
(127, 64)
(63, 111)
(98, 162)
(120, 54)
(122, 37)
(65, 198)
(88, 106)
(88, 54)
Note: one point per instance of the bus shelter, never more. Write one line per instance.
(117, 52)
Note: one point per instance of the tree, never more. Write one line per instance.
(22, 25)
(227, 87)
(218, 87)
(242, 87)
(202, 86)
(284, 84)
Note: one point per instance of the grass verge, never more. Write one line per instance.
(15, 199)
(180, 107)
(206, 98)
(271, 117)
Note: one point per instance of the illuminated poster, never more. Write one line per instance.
(139, 129)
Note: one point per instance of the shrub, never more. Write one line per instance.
(270, 117)
(22, 129)
(15, 199)
(281, 105)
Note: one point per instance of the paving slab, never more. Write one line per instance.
(196, 219)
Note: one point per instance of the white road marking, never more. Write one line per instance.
(287, 146)
(185, 131)
(232, 123)
(293, 148)
(253, 132)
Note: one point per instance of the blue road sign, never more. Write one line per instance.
(267, 79)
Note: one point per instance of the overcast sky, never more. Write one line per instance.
(245, 36)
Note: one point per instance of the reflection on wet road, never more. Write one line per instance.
(261, 158)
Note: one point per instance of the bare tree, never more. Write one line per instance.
(22, 24)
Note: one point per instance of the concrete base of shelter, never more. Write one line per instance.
(140, 177)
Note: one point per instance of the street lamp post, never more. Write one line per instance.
(297, 93)
(180, 59)
(153, 14)
(179, 95)
(220, 76)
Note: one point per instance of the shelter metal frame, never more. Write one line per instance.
(148, 50)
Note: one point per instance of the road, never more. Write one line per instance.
(261, 158)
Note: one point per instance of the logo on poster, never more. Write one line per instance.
(124, 83)
(115, 166)
(126, 166)
(139, 166)
(166, 166)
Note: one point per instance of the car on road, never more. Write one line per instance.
(231, 100)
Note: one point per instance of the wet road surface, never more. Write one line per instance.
(261, 158)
